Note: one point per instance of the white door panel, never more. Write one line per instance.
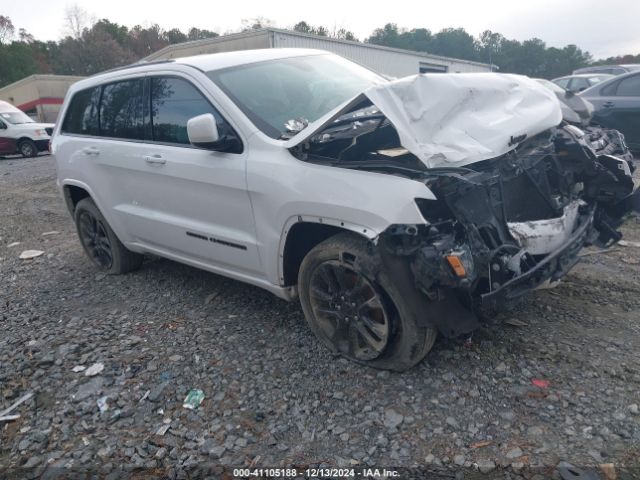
(195, 204)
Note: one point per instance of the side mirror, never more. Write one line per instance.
(203, 131)
(570, 94)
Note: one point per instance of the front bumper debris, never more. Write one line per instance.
(552, 267)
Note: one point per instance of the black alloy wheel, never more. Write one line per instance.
(94, 238)
(350, 312)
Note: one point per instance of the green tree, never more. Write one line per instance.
(16, 62)
(456, 43)
(389, 36)
(198, 34)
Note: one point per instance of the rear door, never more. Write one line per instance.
(618, 106)
(626, 109)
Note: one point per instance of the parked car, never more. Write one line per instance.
(610, 69)
(616, 105)
(578, 111)
(394, 210)
(20, 134)
(580, 82)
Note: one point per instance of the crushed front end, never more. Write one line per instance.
(518, 192)
(502, 227)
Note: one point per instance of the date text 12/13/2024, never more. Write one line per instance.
(315, 473)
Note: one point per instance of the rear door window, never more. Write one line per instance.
(629, 87)
(82, 114)
(609, 89)
(121, 110)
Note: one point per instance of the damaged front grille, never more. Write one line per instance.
(502, 226)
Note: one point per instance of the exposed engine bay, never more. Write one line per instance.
(500, 227)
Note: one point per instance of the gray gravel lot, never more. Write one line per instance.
(273, 396)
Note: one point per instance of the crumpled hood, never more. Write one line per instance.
(458, 119)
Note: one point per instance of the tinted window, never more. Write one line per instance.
(121, 114)
(173, 102)
(609, 89)
(82, 114)
(629, 87)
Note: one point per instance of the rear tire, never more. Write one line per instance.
(27, 148)
(354, 308)
(100, 243)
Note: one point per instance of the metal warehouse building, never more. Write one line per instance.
(393, 62)
(39, 96)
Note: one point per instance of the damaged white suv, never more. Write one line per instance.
(393, 210)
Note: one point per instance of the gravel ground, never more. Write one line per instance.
(273, 396)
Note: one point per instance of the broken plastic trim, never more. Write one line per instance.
(511, 223)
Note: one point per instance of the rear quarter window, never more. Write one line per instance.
(82, 114)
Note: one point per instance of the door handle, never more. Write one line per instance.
(91, 151)
(608, 104)
(155, 160)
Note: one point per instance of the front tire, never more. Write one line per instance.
(27, 148)
(354, 308)
(100, 243)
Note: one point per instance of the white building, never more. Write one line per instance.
(392, 62)
(39, 96)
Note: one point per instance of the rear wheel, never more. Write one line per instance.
(100, 243)
(27, 148)
(355, 310)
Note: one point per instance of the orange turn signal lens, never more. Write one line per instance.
(456, 264)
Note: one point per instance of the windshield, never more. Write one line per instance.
(282, 96)
(16, 118)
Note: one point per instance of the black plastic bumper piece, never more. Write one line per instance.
(552, 267)
(42, 145)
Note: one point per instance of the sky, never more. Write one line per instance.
(604, 28)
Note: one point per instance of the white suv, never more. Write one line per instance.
(393, 210)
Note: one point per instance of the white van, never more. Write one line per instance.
(20, 134)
